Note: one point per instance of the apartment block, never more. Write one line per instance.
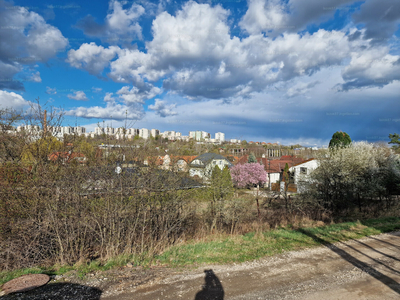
(154, 132)
(144, 133)
(219, 136)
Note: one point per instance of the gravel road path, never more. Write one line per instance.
(360, 269)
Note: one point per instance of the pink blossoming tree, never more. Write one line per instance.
(248, 174)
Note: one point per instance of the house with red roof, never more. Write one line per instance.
(171, 162)
(301, 171)
(67, 157)
(274, 167)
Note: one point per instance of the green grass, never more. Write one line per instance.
(252, 246)
(230, 249)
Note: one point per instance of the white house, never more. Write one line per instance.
(204, 164)
(301, 172)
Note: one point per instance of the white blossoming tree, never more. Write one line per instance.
(357, 175)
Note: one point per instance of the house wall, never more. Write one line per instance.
(181, 165)
(196, 171)
(197, 162)
(307, 167)
(207, 170)
(273, 177)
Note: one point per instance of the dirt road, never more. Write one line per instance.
(364, 269)
(360, 269)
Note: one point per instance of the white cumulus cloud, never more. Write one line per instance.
(12, 100)
(120, 26)
(25, 39)
(78, 95)
(162, 109)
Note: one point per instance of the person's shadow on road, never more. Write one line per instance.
(212, 288)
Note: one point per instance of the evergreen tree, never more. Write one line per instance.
(221, 183)
(220, 189)
(394, 139)
(252, 158)
(339, 140)
(226, 183)
(286, 173)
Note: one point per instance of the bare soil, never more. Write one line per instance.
(368, 268)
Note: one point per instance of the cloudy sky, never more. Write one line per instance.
(288, 71)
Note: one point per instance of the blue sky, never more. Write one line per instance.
(292, 71)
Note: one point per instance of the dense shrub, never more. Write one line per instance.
(359, 175)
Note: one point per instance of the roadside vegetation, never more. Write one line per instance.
(59, 215)
(227, 249)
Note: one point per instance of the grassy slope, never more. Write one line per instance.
(229, 249)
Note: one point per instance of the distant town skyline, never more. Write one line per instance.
(287, 71)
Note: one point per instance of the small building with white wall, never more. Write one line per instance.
(204, 164)
(301, 172)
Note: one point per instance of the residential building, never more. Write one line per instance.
(181, 163)
(205, 135)
(132, 131)
(109, 130)
(185, 138)
(144, 133)
(120, 130)
(79, 130)
(203, 165)
(274, 167)
(220, 136)
(234, 141)
(154, 132)
(99, 130)
(90, 134)
(67, 157)
(301, 171)
(29, 128)
(199, 135)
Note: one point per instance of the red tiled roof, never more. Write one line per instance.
(159, 160)
(233, 159)
(274, 165)
(303, 162)
(68, 157)
(187, 158)
(286, 157)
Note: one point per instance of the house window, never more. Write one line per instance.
(303, 171)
